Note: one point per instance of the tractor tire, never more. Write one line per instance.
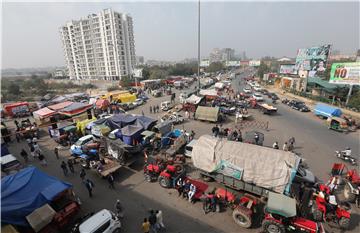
(147, 177)
(179, 168)
(164, 182)
(270, 226)
(344, 223)
(242, 217)
(348, 195)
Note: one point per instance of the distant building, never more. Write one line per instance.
(221, 55)
(140, 60)
(100, 46)
(215, 55)
(228, 54)
(284, 59)
(60, 73)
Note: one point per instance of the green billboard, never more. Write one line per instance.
(345, 73)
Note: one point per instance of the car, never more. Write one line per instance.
(9, 164)
(189, 148)
(273, 96)
(257, 88)
(247, 90)
(81, 142)
(166, 105)
(228, 110)
(143, 97)
(264, 91)
(300, 106)
(257, 97)
(138, 102)
(103, 221)
(175, 118)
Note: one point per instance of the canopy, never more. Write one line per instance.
(102, 103)
(25, 191)
(59, 106)
(326, 110)
(118, 121)
(262, 166)
(43, 113)
(281, 204)
(75, 108)
(145, 122)
(209, 92)
(207, 113)
(194, 99)
(131, 130)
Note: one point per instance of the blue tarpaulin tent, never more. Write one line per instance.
(118, 121)
(130, 133)
(146, 122)
(326, 110)
(25, 191)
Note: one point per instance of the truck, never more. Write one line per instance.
(254, 169)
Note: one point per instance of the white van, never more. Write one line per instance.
(189, 147)
(166, 105)
(103, 221)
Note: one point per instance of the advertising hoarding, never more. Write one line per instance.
(254, 63)
(312, 59)
(232, 63)
(244, 63)
(288, 69)
(204, 63)
(345, 73)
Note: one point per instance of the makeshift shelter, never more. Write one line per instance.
(60, 106)
(75, 108)
(26, 191)
(193, 99)
(100, 130)
(102, 104)
(118, 121)
(145, 122)
(163, 128)
(209, 94)
(207, 113)
(81, 125)
(131, 134)
(265, 167)
(42, 116)
(326, 110)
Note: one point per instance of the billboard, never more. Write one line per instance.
(204, 63)
(288, 69)
(244, 63)
(232, 63)
(312, 59)
(254, 63)
(345, 73)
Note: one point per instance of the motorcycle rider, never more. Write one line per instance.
(347, 152)
(119, 209)
(276, 145)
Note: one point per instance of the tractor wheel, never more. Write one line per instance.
(344, 223)
(179, 168)
(147, 177)
(348, 195)
(164, 182)
(242, 218)
(270, 226)
(317, 214)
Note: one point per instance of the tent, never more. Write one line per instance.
(265, 167)
(131, 133)
(102, 104)
(43, 113)
(207, 113)
(193, 99)
(118, 121)
(145, 122)
(75, 109)
(326, 110)
(59, 106)
(25, 191)
(209, 92)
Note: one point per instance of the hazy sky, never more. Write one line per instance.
(168, 30)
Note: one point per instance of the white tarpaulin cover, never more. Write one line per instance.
(210, 92)
(262, 166)
(219, 85)
(193, 99)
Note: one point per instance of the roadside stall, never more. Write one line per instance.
(42, 116)
(191, 103)
(209, 94)
(19, 109)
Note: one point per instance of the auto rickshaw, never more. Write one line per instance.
(338, 124)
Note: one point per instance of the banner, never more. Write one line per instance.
(244, 63)
(204, 63)
(345, 73)
(228, 169)
(254, 63)
(288, 69)
(312, 59)
(232, 63)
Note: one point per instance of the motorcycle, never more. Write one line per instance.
(343, 156)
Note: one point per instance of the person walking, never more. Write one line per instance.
(56, 152)
(157, 108)
(159, 220)
(145, 226)
(17, 136)
(25, 155)
(110, 179)
(142, 113)
(187, 115)
(71, 166)
(285, 147)
(82, 174)
(64, 168)
(150, 109)
(42, 160)
(152, 221)
(89, 186)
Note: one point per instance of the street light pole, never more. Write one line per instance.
(198, 74)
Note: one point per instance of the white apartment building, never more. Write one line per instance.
(100, 46)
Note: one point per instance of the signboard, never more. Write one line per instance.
(137, 73)
(254, 63)
(345, 73)
(204, 63)
(288, 69)
(244, 63)
(232, 63)
(312, 59)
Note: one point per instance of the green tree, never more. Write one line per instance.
(126, 81)
(14, 89)
(354, 101)
(158, 74)
(263, 69)
(215, 66)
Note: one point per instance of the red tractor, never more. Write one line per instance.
(347, 181)
(326, 208)
(281, 217)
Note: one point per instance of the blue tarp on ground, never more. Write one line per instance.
(146, 122)
(326, 110)
(130, 133)
(26, 191)
(119, 121)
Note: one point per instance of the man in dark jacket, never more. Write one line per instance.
(152, 220)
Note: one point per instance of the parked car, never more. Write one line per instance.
(257, 97)
(139, 102)
(300, 106)
(228, 110)
(257, 88)
(274, 96)
(10, 164)
(166, 105)
(81, 142)
(143, 97)
(247, 90)
(175, 118)
(103, 221)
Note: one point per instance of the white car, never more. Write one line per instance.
(139, 102)
(257, 88)
(257, 97)
(82, 141)
(189, 148)
(103, 221)
(247, 90)
(174, 118)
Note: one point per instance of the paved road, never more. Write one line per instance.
(313, 140)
